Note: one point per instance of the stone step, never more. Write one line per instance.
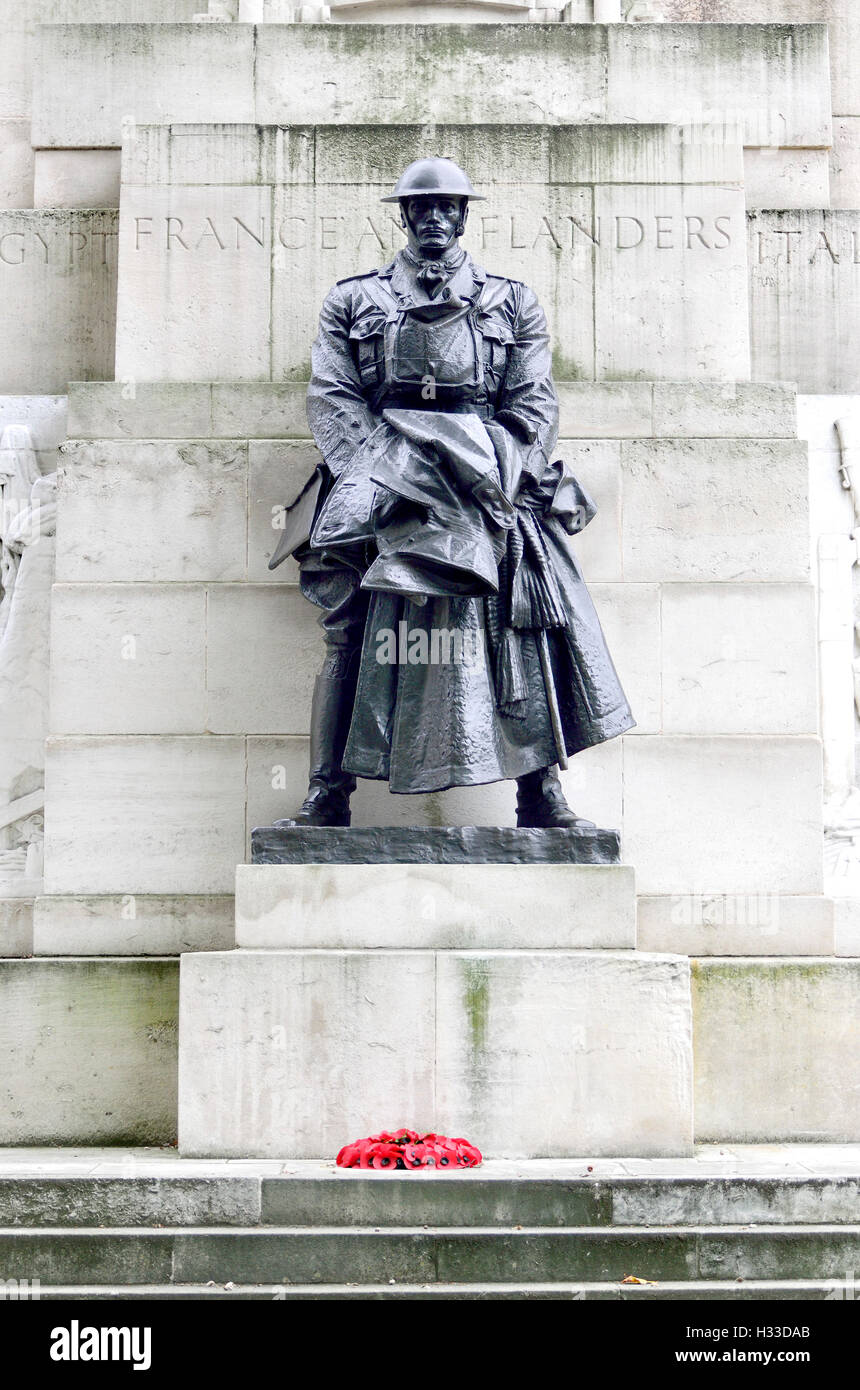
(803, 1290)
(628, 1202)
(417, 1201)
(320, 1255)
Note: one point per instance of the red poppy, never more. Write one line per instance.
(406, 1149)
(386, 1155)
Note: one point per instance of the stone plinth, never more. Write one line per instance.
(449, 997)
(469, 845)
(537, 906)
(529, 1053)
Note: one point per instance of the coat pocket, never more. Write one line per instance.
(367, 342)
(497, 339)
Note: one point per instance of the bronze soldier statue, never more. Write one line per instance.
(436, 526)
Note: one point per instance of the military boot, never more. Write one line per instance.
(541, 803)
(327, 801)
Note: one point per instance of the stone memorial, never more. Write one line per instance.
(658, 955)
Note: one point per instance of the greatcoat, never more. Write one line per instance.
(438, 508)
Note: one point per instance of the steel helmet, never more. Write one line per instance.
(435, 177)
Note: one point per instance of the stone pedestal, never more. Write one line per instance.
(435, 906)
(447, 997)
(666, 195)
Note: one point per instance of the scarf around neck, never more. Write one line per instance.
(433, 274)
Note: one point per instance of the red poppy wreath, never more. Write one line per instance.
(405, 1148)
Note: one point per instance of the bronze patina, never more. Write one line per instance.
(462, 645)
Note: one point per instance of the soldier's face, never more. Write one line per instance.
(434, 223)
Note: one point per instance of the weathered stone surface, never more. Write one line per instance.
(434, 905)
(16, 164)
(776, 1049)
(737, 924)
(535, 1052)
(263, 654)
(121, 808)
(131, 924)
(327, 1041)
(840, 16)
(733, 410)
(454, 845)
(76, 179)
(16, 927)
(58, 284)
(285, 1053)
(432, 12)
(706, 510)
(606, 409)
(141, 410)
(128, 659)
(846, 926)
(218, 300)
(284, 73)
(259, 409)
(187, 501)
(723, 815)
(145, 795)
(262, 220)
(176, 72)
(675, 258)
(845, 163)
(770, 78)
(466, 1259)
(736, 659)
(90, 1050)
(22, 33)
(777, 178)
(788, 1198)
(805, 298)
(21, 46)
(136, 1197)
(90, 1257)
(27, 525)
(45, 417)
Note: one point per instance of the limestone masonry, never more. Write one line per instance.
(177, 194)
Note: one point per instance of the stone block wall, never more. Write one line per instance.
(842, 18)
(177, 725)
(183, 669)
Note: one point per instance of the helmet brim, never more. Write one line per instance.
(434, 193)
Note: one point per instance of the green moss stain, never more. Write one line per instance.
(476, 997)
(435, 812)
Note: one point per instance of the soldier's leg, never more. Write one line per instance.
(541, 803)
(329, 787)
